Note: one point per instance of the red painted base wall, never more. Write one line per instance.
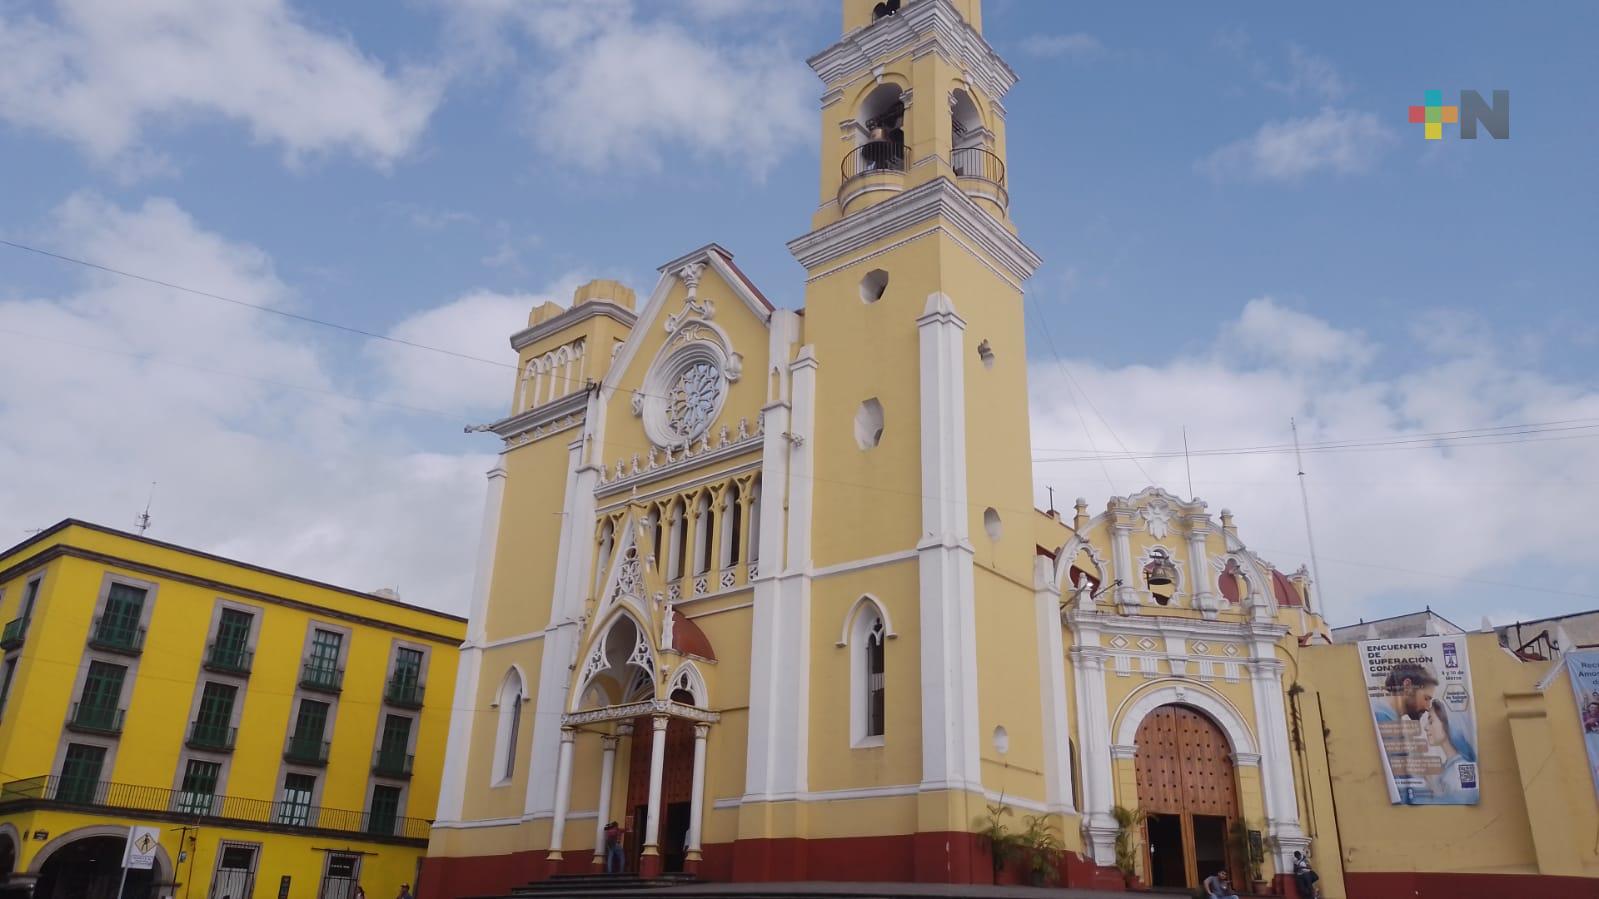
(1408, 885)
(907, 858)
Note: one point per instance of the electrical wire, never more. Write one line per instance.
(1071, 392)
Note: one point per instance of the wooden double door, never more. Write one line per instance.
(1188, 787)
(677, 786)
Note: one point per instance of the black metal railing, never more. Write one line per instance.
(403, 693)
(228, 658)
(307, 750)
(16, 630)
(215, 737)
(874, 156)
(95, 719)
(116, 635)
(976, 162)
(321, 677)
(78, 791)
(391, 763)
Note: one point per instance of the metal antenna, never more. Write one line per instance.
(143, 521)
(1051, 499)
(1304, 498)
(1186, 464)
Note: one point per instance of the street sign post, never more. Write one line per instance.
(139, 852)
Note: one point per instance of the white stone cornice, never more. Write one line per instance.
(546, 419)
(575, 315)
(1173, 626)
(920, 27)
(938, 199)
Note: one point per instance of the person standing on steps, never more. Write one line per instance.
(613, 848)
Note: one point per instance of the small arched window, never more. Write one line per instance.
(603, 557)
(678, 541)
(732, 524)
(875, 675)
(508, 732)
(704, 521)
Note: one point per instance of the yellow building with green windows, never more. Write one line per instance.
(286, 737)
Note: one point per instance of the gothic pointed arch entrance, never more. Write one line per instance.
(1187, 784)
(677, 778)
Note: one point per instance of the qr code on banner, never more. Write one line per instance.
(1468, 775)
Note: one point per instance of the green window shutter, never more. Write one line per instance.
(385, 810)
(199, 787)
(312, 722)
(124, 606)
(80, 773)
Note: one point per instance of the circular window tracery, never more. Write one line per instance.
(695, 396)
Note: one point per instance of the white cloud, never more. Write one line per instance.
(1388, 521)
(1310, 74)
(1077, 46)
(476, 324)
(104, 72)
(1342, 141)
(310, 480)
(615, 86)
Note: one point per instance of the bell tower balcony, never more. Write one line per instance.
(876, 167)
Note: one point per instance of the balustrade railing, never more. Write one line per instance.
(130, 797)
(874, 156)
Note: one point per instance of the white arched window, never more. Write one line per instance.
(506, 734)
(732, 519)
(755, 520)
(866, 634)
(702, 533)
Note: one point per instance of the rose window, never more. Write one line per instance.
(693, 399)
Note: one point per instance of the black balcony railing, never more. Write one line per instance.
(391, 763)
(95, 719)
(307, 751)
(114, 635)
(227, 809)
(405, 694)
(324, 678)
(976, 162)
(16, 630)
(874, 156)
(215, 737)
(228, 658)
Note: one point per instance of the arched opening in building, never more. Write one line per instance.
(1188, 786)
(677, 785)
(91, 868)
(882, 118)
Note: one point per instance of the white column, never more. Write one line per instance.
(652, 820)
(697, 799)
(944, 555)
(452, 786)
(1052, 668)
(603, 809)
(1094, 740)
(1121, 556)
(563, 792)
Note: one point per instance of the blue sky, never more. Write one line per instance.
(1239, 225)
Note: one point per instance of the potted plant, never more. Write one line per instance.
(1040, 850)
(1002, 844)
(1248, 851)
(1128, 821)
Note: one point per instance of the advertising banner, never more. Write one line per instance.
(1584, 668)
(1425, 717)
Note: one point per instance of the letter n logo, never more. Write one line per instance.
(1495, 118)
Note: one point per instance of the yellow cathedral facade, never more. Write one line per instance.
(768, 587)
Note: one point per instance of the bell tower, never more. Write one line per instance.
(920, 488)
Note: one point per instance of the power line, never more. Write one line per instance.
(1071, 392)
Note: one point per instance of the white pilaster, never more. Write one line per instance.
(950, 757)
(603, 807)
(563, 792)
(573, 559)
(1052, 669)
(1121, 554)
(652, 818)
(452, 785)
(1199, 566)
(696, 812)
(1094, 741)
(1276, 759)
(777, 758)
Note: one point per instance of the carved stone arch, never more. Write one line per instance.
(1181, 588)
(687, 676)
(1257, 580)
(1170, 691)
(866, 602)
(606, 656)
(887, 78)
(1066, 556)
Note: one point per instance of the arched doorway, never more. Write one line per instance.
(1187, 785)
(90, 868)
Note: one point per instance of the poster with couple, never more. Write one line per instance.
(1425, 717)
(1583, 667)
